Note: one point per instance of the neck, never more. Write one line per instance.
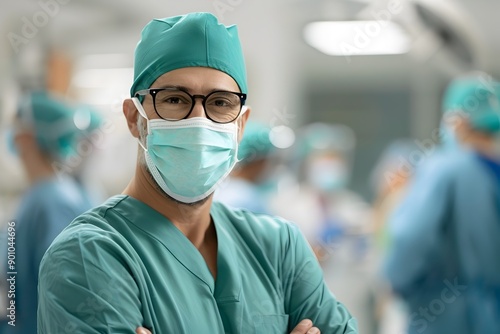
(192, 220)
(488, 151)
(37, 166)
(483, 145)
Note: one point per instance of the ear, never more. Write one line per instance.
(460, 124)
(242, 121)
(131, 113)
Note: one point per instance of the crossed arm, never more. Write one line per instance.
(304, 327)
(86, 268)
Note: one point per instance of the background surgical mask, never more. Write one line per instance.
(327, 174)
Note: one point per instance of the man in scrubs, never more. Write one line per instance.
(446, 234)
(161, 255)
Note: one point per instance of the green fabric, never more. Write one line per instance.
(124, 265)
(53, 122)
(195, 39)
(479, 98)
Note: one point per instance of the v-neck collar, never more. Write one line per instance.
(228, 285)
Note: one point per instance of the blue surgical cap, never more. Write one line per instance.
(478, 96)
(195, 39)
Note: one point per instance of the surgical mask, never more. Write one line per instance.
(328, 175)
(189, 158)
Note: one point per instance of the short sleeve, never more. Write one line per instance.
(306, 293)
(86, 287)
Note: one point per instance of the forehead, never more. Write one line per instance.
(198, 79)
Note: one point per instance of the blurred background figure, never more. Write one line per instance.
(445, 236)
(334, 219)
(47, 135)
(248, 186)
(323, 207)
(389, 180)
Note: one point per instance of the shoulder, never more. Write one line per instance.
(446, 165)
(50, 205)
(263, 229)
(63, 196)
(90, 231)
(451, 160)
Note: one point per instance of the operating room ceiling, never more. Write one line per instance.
(272, 34)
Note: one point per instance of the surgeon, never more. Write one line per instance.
(446, 234)
(161, 256)
(246, 186)
(44, 136)
(325, 209)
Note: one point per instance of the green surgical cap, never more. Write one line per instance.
(57, 126)
(256, 143)
(323, 137)
(195, 39)
(477, 96)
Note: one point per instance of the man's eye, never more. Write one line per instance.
(173, 100)
(221, 103)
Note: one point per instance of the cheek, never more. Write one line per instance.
(240, 129)
(140, 128)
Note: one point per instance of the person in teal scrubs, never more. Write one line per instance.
(44, 135)
(161, 257)
(445, 235)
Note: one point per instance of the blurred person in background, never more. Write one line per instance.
(245, 187)
(389, 179)
(320, 202)
(162, 255)
(445, 236)
(334, 219)
(45, 136)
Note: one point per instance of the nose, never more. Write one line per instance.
(198, 110)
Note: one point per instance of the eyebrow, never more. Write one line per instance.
(190, 91)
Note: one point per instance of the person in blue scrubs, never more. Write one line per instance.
(162, 257)
(446, 234)
(44, 134)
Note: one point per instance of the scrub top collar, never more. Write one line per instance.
(228, 285)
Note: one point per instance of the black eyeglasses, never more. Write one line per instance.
(175, 104)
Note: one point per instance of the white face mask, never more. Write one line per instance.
(327, 174)
(189, 158)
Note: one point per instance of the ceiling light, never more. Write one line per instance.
(353, 38)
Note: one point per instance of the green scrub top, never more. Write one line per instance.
(123, 265)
